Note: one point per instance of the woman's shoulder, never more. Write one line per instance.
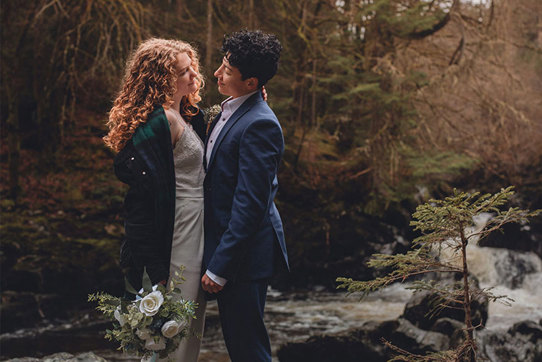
(156, 127)
(170, 112)
(157, 116)
(156, 120)
(172, 116)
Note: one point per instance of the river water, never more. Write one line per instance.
(295, 316)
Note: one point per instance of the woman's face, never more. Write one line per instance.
(186, 77)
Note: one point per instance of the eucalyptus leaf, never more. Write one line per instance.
(147, 284)
(129, 287)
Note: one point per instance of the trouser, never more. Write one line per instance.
(241, 306)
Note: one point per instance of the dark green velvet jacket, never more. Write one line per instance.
(146, 165)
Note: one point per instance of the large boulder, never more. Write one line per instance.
(365, 344)
(419, 310)
(522, 342)
(519, 237)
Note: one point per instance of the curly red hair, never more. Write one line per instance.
(150, 80)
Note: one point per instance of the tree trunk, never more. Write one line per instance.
(251, 15)
(299, 120)
(179, 8)
(209, 50)
(313, 106)
(469, 334)
(14, 144)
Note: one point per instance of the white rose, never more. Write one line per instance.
(119, 317)
(143, 334)
(151, 345)
(170, 329)
(151, 303)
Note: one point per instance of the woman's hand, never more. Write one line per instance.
(209, 285)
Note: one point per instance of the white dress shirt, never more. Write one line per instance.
(229, 106)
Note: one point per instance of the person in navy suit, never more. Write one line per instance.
(244, 238)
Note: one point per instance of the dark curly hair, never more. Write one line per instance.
(254, 53)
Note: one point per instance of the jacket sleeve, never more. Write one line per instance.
(140, 248)
(260, 150)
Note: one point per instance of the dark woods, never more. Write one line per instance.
(383, 102)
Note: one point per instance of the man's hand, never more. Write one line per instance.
(209, 286)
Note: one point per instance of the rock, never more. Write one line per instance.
(88, 356)
(18, 310)
(452, 328)
(25, 309)
(74, 336)
(320, 251)
(63, 357)
(367, 342)
(529, 329)
(517, 237)
(343, 348)
(522, 342)
(418, 309)
(513, 266)
(447, 326)
(416, 340)
(22, 280)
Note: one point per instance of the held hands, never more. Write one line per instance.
(209, 286)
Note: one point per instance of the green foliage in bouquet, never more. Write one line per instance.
(156, 322)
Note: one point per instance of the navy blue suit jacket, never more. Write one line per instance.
(244, 238)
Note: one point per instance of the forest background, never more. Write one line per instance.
(384, 104)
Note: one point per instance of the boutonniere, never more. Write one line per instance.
(210, 114)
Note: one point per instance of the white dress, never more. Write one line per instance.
(187, 245)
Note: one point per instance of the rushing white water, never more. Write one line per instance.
(293, 317)
(515, 274)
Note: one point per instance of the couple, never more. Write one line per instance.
(178, 170)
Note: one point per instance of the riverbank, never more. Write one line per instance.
(313, 319)
(290, 317)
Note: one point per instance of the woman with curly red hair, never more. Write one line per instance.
(157, 130)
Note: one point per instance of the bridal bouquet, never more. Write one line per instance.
(154, 323)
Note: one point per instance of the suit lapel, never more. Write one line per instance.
(244, 108)
(207, 135)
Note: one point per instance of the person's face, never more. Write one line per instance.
(230, 81)
(186, 76)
